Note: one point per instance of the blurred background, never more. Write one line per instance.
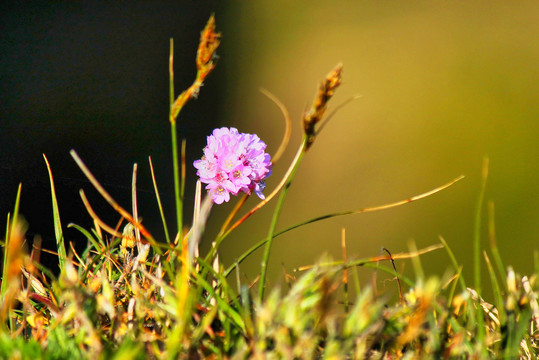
(443, 85)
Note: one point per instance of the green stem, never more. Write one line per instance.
(171, 73)
(477, 228)
(282, 184)
(477, 252)
(176, 169)
(271, 232)
(159, 204)
(175, 161)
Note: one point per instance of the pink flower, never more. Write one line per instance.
(233, 162)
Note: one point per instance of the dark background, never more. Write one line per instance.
(94, 78)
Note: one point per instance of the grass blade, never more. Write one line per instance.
(495, 288)
(159, 204)
(60, 245)
(454, 262)
(492, 240)
(223, 305)
(96, 244)
(9, 229)
(109, 198)
(477, 250)
(477, 228)
(288, 125)
(4, 260)
(275, 217)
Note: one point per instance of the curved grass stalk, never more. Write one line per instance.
(288, 125)
(388, 257)
(341, 213)
(96, 218)
(389, 270)
(280, 150)
(310, 120)
(377, 208)
(339, 107)
(276, 213)
(110, 200)
(232, 214)
(96, 244)
(293, 165)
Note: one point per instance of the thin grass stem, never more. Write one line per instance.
(477, 250)
(109, 198)
(492, 241)
(176, 171)
(360, 262)
(134, 202)
(174, 140)
(300, 153)
(288, 125)
(454, 262)
(495, 287)
(477, 228)
(96, 218)
(261, 243)
(275, 218)
(389, 270)
(232, 214)
(171, 73)
(159, 204)
(345, 271)
(62, 255)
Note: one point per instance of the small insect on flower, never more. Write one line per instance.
(233, 162)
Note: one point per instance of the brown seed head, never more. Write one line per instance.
(325, 91)
(209, 42)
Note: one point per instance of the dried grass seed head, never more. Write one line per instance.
(325, 91)
(209, 42)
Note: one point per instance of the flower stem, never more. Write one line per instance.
(231, 216)
(283, 182)
(275, 218)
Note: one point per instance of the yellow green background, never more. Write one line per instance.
(443, 85)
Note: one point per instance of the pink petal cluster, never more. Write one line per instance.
(233, 162)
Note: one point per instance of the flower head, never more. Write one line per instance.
(233, 162)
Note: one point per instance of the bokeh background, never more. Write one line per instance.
(443, 85)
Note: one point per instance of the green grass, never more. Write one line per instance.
(131, 296)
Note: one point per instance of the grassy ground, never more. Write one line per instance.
(130, 296)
